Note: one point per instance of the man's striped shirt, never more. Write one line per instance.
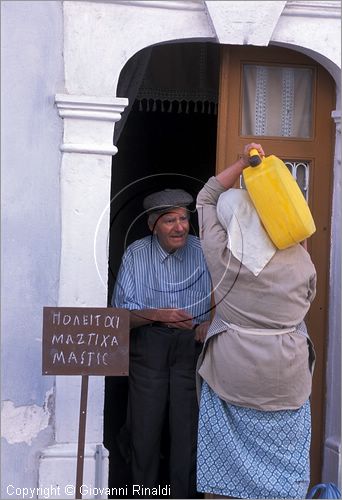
(151, 278)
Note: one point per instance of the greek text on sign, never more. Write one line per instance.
(85, 341)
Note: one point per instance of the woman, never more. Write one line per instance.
(254, 425)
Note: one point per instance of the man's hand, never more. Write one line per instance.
(201, 331)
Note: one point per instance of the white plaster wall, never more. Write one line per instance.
(332, 438)
(119, 31)
(31, 73)
(314, 28)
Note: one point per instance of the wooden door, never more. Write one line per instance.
(314, 149)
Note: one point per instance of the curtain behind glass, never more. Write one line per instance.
(277, 101)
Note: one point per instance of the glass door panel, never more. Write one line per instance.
(276, 101)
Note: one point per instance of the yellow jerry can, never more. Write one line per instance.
(278, 200)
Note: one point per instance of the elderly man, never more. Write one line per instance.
(163, 280)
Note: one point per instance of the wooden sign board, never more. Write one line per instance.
(85, 341)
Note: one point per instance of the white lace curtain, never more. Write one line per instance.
(277, 101)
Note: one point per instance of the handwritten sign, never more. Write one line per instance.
(85, 341)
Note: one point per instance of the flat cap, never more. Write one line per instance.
(162, 200)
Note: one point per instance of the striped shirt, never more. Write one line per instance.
(151, 278)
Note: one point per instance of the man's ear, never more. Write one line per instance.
(152, 222)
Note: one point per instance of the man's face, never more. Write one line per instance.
(172, 229)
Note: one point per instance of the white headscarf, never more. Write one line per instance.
(247, 238)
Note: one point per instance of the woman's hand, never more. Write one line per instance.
(201, 331)
(174, 318)
(231, 174)
(246, 150)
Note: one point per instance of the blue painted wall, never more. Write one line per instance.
(31, 132)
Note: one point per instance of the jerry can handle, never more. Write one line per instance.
(254, 158)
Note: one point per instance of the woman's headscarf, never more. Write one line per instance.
(247, 238)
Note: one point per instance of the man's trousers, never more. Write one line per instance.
(162, 377)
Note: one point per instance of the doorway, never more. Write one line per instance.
(165, 143)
